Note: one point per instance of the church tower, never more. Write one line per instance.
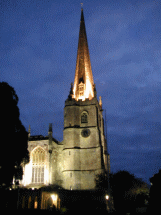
(74, 162)
(84, 143)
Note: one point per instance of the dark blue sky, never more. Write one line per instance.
(38, 43)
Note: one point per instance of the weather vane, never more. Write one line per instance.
(81, 5)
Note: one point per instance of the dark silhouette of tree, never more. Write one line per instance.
(155, 190)
(13, 136)
(127, 192)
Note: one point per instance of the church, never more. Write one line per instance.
(73, 163)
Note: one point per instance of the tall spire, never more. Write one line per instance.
(83, 82)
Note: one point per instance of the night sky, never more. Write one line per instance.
(38, 43)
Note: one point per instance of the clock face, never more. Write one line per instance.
(85, 132)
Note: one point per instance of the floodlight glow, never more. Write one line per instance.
(107, 197)
(54, 197)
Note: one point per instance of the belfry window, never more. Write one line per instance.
(38, 164)
(81, 89)
(84, 118)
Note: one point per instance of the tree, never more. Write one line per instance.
(128, 192)
(155, 190)
(13, 136)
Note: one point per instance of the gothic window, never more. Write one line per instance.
(38, 163)
(84, 118)
(81, 89)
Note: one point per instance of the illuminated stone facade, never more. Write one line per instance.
(84, 145)
(74, 162)
(45, 163)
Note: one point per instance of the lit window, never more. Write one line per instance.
(81, 89)
(84, 118)
(38, 162)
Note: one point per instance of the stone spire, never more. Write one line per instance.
(83, 82)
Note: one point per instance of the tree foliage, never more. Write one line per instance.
(13, 136)
(155, 191)
(127, 191)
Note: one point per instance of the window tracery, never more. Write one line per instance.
(38, 164)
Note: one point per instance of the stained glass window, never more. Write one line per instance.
(38, 162)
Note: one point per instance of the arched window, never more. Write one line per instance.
(38, 162)
(84, 118)
(81, 89)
